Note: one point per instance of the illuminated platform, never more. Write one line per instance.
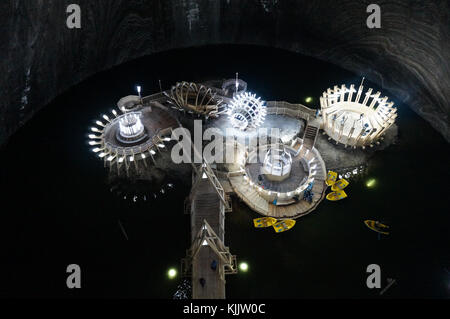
(133, 136)
(356, 118)
(283, 199)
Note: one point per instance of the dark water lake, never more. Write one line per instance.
(58, 209)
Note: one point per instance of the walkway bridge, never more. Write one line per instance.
(208, 260)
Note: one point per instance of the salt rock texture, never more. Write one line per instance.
(40, 57)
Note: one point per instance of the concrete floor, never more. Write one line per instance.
(288, 126)
(337, 157)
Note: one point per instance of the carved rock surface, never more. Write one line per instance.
(40, 57)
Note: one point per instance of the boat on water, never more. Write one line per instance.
(264, 222)
(339, 185)
(331, 178)
(284, 225)
(338, 195)
(377, 226)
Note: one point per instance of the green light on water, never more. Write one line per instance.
(172, 273)
(371, 182)
(243, 267)
(308, 99)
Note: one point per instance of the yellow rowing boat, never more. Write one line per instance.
(339, 185)
(264, 222)
(331, 178)
(284, 225)
(334, 196)
(377, 226)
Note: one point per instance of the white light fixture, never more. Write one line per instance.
(246, 111)
(138, 88)
(100, 123)
(130, 125)
(152, 152)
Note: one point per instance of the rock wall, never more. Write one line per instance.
(41, 57)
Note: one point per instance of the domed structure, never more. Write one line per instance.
(246, 111)
(352, 122)
(196, 99)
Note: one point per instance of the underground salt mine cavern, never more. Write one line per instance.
(225, 149)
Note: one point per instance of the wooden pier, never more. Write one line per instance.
(251, 194)
(208, 260)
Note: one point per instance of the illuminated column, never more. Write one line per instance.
(343, 90)
(130, 126)
(366, 98)
(358, 96)
(352, 89)
(375, 99)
